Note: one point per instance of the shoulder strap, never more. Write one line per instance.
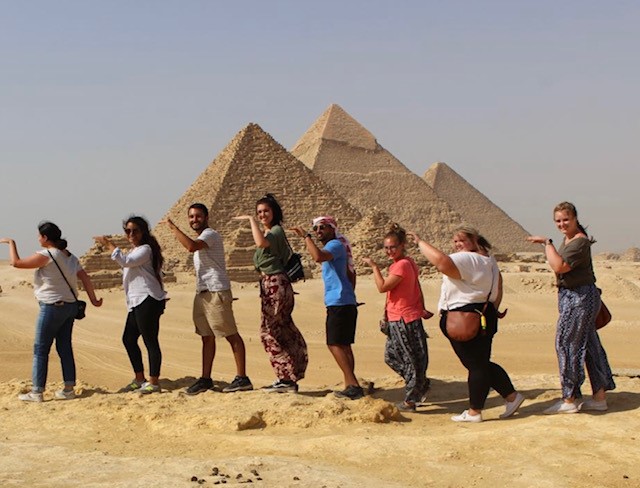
(65, 278)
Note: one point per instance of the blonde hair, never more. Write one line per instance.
(472, 233)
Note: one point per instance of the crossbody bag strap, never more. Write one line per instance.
(65, 278)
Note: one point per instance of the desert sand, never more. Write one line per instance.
(312, 438)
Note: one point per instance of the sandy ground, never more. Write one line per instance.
(314, 439)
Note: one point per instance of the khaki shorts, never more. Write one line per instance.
(213, 315)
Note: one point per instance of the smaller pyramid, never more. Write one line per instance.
(504, 233)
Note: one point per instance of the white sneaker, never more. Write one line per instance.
(594, 405)
(562, 407)
(147, 388)
(32, 396)
(64, 395)
(467, 417)
(512, 407)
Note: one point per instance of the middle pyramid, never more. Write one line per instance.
(250, 166)
(346, 155)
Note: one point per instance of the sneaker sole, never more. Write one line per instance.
(240, 388)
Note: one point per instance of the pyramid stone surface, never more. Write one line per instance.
(504, 233)
(349, 158)
(251, 165)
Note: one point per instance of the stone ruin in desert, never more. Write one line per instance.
(337, 167)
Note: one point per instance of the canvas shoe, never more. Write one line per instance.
(134, 385)
(512, 407)
(352, 392)
(594, 405)
(561, 407)
(203, 384)
(147, 388)
(64, 394)
(467, 417)
(32, 396)
(282, 386)
(239, 383)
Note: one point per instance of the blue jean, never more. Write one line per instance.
(55, 322)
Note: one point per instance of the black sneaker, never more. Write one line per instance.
(282, 386)
(239, 383)
(203, 384)
(352, 392)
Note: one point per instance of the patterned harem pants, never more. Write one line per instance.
(280, 337)
(577, 342)
(406, 353)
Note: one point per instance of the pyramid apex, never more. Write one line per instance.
(335, 124)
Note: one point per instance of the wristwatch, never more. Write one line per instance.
(307, 235)
(548, 241)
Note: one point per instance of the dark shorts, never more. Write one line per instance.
(341, 324)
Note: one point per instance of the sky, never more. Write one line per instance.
(109, 109)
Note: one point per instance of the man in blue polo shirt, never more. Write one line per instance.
(339, 297)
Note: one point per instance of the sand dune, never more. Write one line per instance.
(313, 439)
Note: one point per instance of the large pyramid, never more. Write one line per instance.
(349, 158)
(251, 165)
(504, 233)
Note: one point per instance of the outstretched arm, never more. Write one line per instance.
(317, 254)
(191, 245)
(553, 258)
(33, 261)
(382, 284)
(258, 236)
(440, 260)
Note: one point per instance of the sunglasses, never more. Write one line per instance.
(319, 227)
(131, 231)
(390, 248)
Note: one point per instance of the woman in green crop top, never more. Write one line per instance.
(577, 342)
(280, 337)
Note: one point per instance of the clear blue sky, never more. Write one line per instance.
(112, 108)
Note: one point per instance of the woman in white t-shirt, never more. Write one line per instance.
(145, 298)
(58, 307)
(471, 280)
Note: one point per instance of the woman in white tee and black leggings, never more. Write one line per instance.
(145, 297)
(471, 280)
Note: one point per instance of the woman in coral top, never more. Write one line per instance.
(406, 348)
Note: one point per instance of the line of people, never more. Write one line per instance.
(471, 282)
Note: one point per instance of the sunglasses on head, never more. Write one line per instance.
(131, 231)
(319, 227)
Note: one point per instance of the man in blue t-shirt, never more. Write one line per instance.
(339, 298)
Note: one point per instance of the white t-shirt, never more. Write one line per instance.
(479, 275)
(211, 272)
(138, 277)
(49, 285)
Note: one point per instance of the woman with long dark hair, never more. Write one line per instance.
(471, 282)
(145, 298)
(280, 337)
(406, 348)
(55, 288)
(577, 341)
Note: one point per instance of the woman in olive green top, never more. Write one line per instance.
(280, 337)
(577, 342)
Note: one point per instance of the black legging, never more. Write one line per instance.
(475, 355)
(144, 320)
